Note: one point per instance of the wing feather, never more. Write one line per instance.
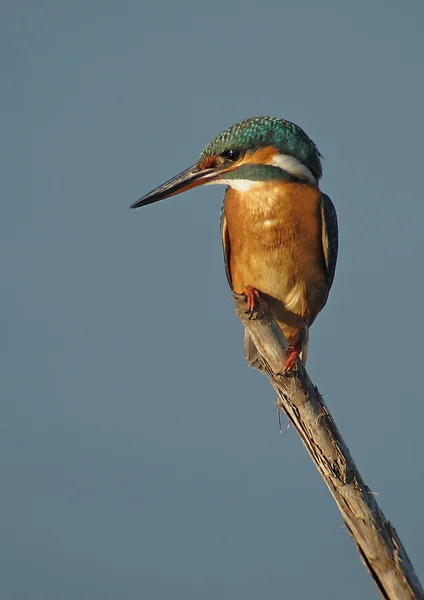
(226, 246)
(330, 236)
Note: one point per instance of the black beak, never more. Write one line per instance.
(188, 179)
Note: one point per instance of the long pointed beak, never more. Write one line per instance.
(188, 179)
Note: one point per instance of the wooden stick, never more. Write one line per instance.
(376, 539)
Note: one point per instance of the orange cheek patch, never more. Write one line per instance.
(208, 162)
(263, 156)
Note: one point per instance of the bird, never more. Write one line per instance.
(279, 230)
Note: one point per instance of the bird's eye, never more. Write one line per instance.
(232, 155)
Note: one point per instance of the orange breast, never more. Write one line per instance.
(275, 241)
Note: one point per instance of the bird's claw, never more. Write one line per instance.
(252, 296)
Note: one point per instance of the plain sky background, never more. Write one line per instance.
(140, 456)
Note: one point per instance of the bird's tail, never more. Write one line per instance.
(251, 352)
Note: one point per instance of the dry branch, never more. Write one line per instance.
(376, 539)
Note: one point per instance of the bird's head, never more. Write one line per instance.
(256, 150)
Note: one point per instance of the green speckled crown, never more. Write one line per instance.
(259, 132)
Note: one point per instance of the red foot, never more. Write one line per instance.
(291, 356)
(295, 349)
(251, 296)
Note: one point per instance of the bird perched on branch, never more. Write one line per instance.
(279, 231)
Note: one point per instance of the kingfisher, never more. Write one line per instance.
(279, 230)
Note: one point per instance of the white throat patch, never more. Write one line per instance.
(242, 185)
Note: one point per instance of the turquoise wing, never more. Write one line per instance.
(226, 246)
(330, 237)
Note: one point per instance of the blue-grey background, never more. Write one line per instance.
(140, 456)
